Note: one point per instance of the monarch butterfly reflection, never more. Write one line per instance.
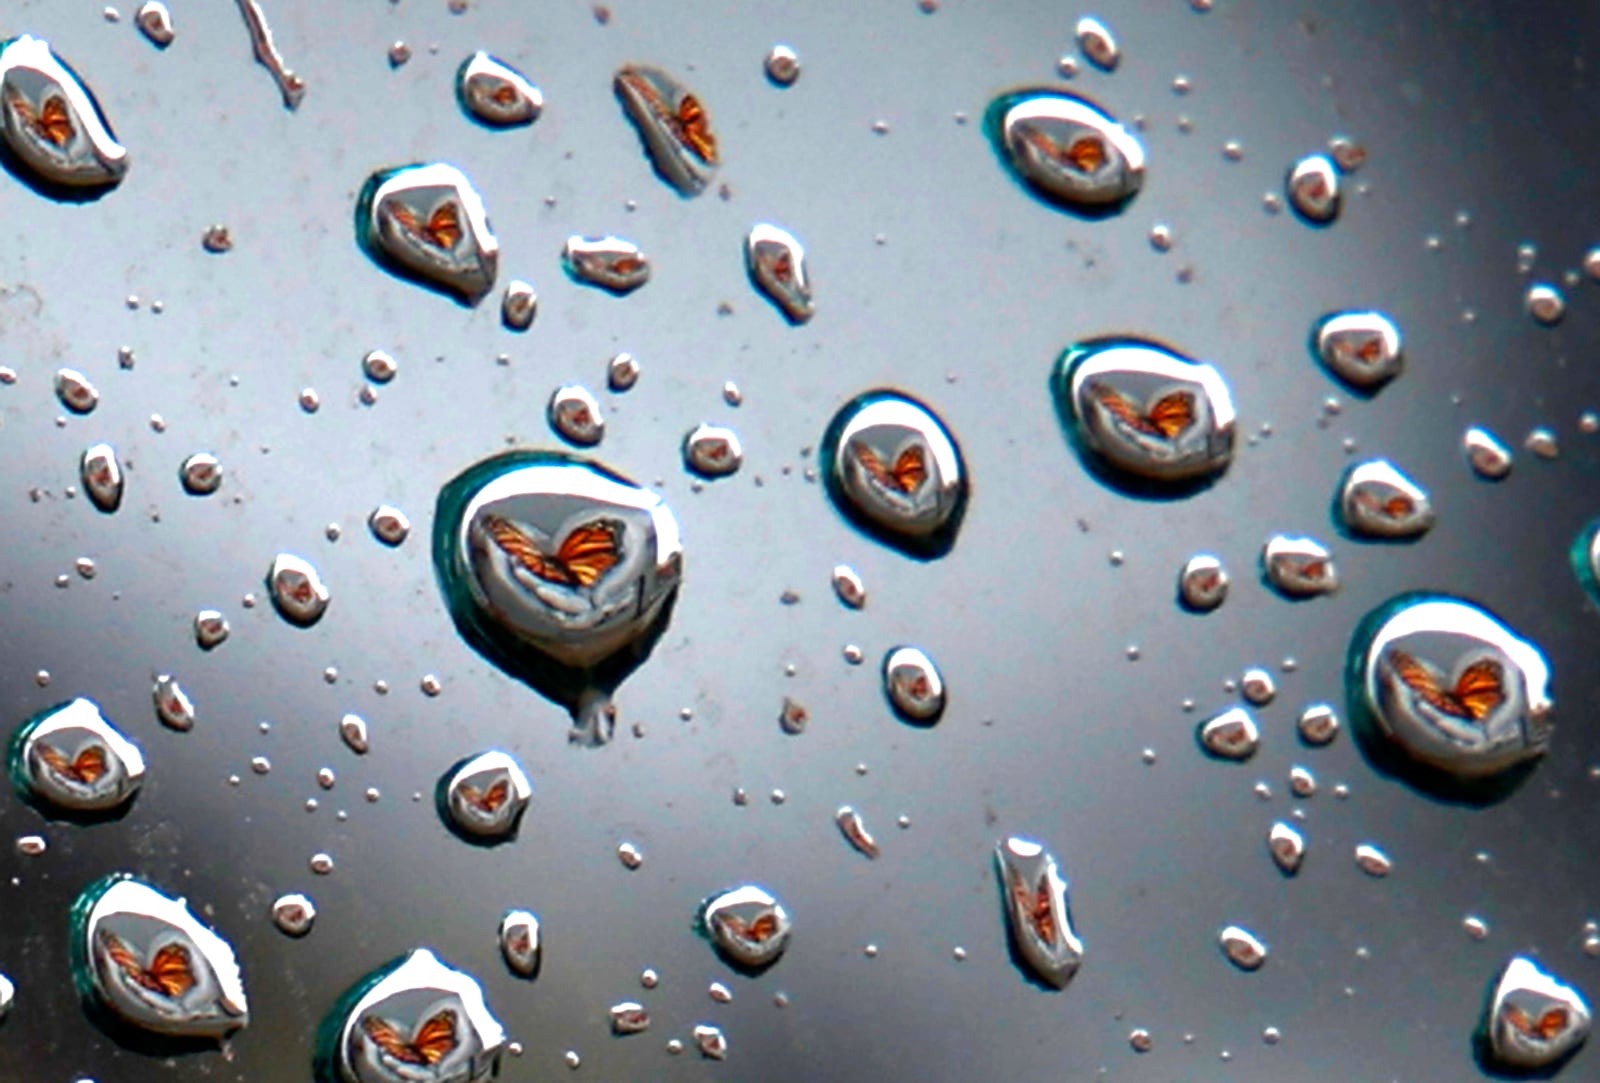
(170, 973)
(51, 122)
(583, 558)
(1475, 694)
(433, 1040)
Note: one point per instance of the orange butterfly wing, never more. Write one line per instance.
(521, 548)
(383, 1035)
(54, 122)
(444, 227)
(90, 765)
(910, 469)
(54, 760)
(694, 128)
(1481, 688)
(589, 552)
(1172, 414)
(171, 972)
(436, 1038)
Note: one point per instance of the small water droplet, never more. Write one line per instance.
(294, 914)
(1161, 237)
(482, 798)
(520, 943)
(1361, 348)
(782, 66)
(379, 366)
(1543, 443)
(1139, 1039)
(1347, 154)
(1298, 567)
(495, 94)
(1233, 151)
(1475, 927)
(1067, 66)
(1545, 304)
(629, 1017)
(610, 263)
(1373, 861)
(1258, 687)
(427, 223)
(321, 864)
(711, 1042)
(630, 855)
(1534, 1021)
(73, 388)
(776, 263)
(53, 124)
(172, 703)
(622, 372)
(217, 239)
(794, 717)
(1231, 735)
(1318, 724)
(32, 845)
(1489, 458)
(570, 1057)
(1287, 846)
(849, 586)
(913, 686)
(389, 525)
(1377, 500)
(310, 401)
(298, 593)
(1241, 948)
(353, 732)
(1067, 149)
(261, 765)
(1202, 583)
(712, 451)
(855, 831)
(748, 927)
(101, 475)
(210, 629)
(1313, 189)
(519, 305)
(1095, 39)
(399, 53)
(1302, 783)
(1040, 918)
(575, 416)
(201, 474)
(155, 22)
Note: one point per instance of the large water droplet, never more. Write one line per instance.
(294, 914)
(558, 571)
(173, 706)
(748, 926)
(298, 593)
(483, 797)
(73, 761)
(629, 1017)
(1043, 940)
(520, 945)
(141, 958)
(1287, 846)
(415, 1020)
(711, 1042)
(893, 469)
(52, 125)
(673, 126)
(777, 265)
(610, 263)
(427, 223)
(1534, 1020)
(1585, 554)
(1361, 348)
(1202, 583)
(913, 686)
(1445, 694)
(1231, 735)
(101, 475)
(496, 94)
(1298, 567)
(1313, 189)
(712, 451)
(1067, 149)
(1242, 948)
(1377, 501)
(575, 415)
(1095, 39)
(1489, 458)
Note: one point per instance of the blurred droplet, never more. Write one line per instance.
(1095, 39)
(155, 22)
(73, 387)
(1302, 783)
(711, 1042)
(1361, 348)
(353, 732)
(1489, 458)
(1258, 687)
(748, 926)
(1067, 149)
(720, 993)
(1313, 189)
(1543, 443)
(379, 366)
(575, 416)
(1038, 912)
(399, 53)
(782, 66)
(201, 474)
(52, 122)
(1140, 1041)
(210, 629)
(520, 943)
(1202, 583)
(1373, 861)
(101, 475)
(1241, 948)
(849, 586)
(712, 451)
(913, 686)
(776, 263)
(73, 760)
(1287, 846)
(629, 1017)
(855, 831)
(1475, 927)
(519, 305)
(482, 798)
(389, 525)
(630, 855)
(1298, 567)
(611, 263)
(1231, 735)
(294, 914)
(1534, 1021)
(427, 223)
(1377, 500)
(1545, 304)
(1347, 154)
(1318, 724)
(217, 239)
(794, 717)
(173, 706)
(496, 94)
(622, 372)
(298, 593)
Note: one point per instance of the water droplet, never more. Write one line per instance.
(610, 263)
(776, 262)
(1258, 687)
(575, 416)
(73, 387)
(1287, 846)
(1302, 783)
(173, 706)
(144, 957)
(32, 845)
(673, 126)
(353, 732)
(1475, 927)
(572, 1060)
(519, 305)
(294, 914)
(630, 855)
(374, 1031)
(53, 126)
(155, 22)
(1095, 39)
(1298, 567)
(399, 53)
(482, 798)
(711, 1042)
(1139, 411)
(1231, 735)
(216, 239)
(379, 366)
(1542, 442)
(210, 629)
(201, 474)
(326, 778)
(298, 593)
(101, 475)
(731, 394)
(73, 760)
(290, 85)
(389, 525)
(1241, 948)
(1361, 348)
(1376, 500)
(310, 401)
(1067, 149)
(1202, 583)
(719, 993)
(854, 831)
(1161, 237)
(622, 372)
(649, 978)
(520, 943)
(496, 94)
(1313, 189)
(1347, 153)
(1043, 940)
(427, 223)
(629, 1017)
(1373, 861)
(1489, 458)
(1444, 692)
(1140, 1041)
(794, 717)
(913, 686)
(1534, 1021)
(782, 66)
(1318, 724)
(893, 469)
(712, 451)
(849, 586)
(748, 927)
(1545, 304)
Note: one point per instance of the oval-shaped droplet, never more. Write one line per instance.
(611, 263)
(629, 1017)
(294, 914)
(143, 957)
(1257, 687)
(1546, 304)
(622, 372)
(1287, 847)
(777, 266)
(1373, 861)
(1241, 948)
(155, 23)
(575, 416)
(1038, 912)
(427, 223)
(495, 94)
(1318, 724)
(76, 392)
(200, 474)
(379, 366)
(710, 1041)
(101, 475)
(1488, 456)
(389, 525)
(782, 66)
(1231, 735)
(748, 927)
(1377, 501)
(1363, 349)
(519, 306)
(1067, 149)
(1534, 1021)
(483, 797)
(173, 706)
(520, 945)
(1202, 583)
(1095, 39)
(712, 451)
(51, 122)
(298, 593)
(1313, 189)
(672, 124)
(1298, 567)
(894, 470)
(913, 686)
(353, 732)
(848, 585)
(73, 761)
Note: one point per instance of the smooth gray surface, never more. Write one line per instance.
(1486, 107)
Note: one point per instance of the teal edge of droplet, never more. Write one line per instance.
(78, 931)
(1581, 567)
(15, 765)
(921, 548)
(325, 1058)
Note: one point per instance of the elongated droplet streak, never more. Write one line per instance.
(777, 265)
(855, 831)
(1534, 1020)
(290, 85)
(1038, 912)
(611, 263)
(51, 122)
(173, 707)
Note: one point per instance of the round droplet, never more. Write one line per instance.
(389, 525)
(575, 416)
(1258, 687)
(1489, 458)
(353, 732)
(1302, 783)
(1545, 304)
(672, 124)
(1373, 861)
(1347, 154)
(1376, 500)
(101, 475)
(427, 223)
(776, 263)
(72, 387)
(610, 263)
(1202, 583)
(748, 927)
(1534, 1021)
(782, 66)
(1241, 948)
(1145, 412)
(630, 855)
(712, 451)
(155, 22)
(52, 122)
(1095, 39)
(1313, 189)
(849, 586)
(912, 684)
(519, 305)
(622, 372)
(482, 798)
(495, 94)
(1361, 348)
(855, 831)
(173, 706)
(74, 761)
(201, 474)
(379, 366)
(399, 53)
(1298, 567)
(894, 470)
(1038, 912)
(1231, 735)
(1067, 149)
(1287, 846)
(294, 914)
(711, 1042)
(298, 593)
(520, 943)
(1318, 724)
(629, 1017)
(210, 629)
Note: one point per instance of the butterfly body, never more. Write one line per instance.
(432, 1041)
(170, 973)
(583, 558)
(1476, 693)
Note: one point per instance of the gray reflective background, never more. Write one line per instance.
(974, 292)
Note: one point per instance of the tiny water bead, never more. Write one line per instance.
(1145, 412)
(415, 1019)
(1242, 948)
(518, 306)
(1363, 349)
(389, 525)
(712, 451)
(101, 475)
(298, 593)
(1312, 188)
(52, 124)
(495, 94)
(1298, 567)
(1488, 456)
(1067, 149)
(1545, 304)
(782, 66)
(353, 732)
(575, 416)
(1043, 939)
(483, 797)
(672, 124)
(1095, 39)
(794, 717)
(210, 629)
(1318, 724)
(1534, 1020)
(427, 223)
(294, 914)
(76, 392)
(200, 474)
(145, 959)
(720, 993)
(855, 831)
(610, 263)
(72, 760)
(849, 587)
(893, 469)
(1231, 735)
(1373, 861)
(913, 686)
(1287, 846)
(1376, 500)
(748, 927)
(776, 263)
(1475, 927)
(173, 707)
(1202, 583)
(155, 23)
(520, 943)
(1451, 690)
